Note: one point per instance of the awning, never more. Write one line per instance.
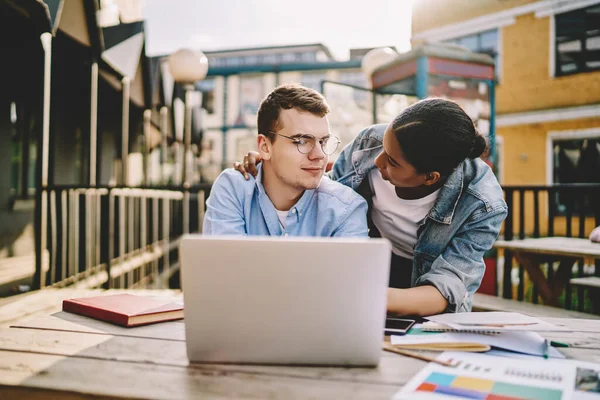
(78, 21)
(123, 46)
(45, 14)
(123, 57)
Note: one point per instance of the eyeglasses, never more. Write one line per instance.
(306, 143)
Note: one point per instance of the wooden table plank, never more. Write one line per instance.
(576, 324)
(392, 369)
(587, 281)
(70, 356)
(64, 321)
(484, 302)
(48, 301)
(100, 346)
(135, 380)
(559, 246)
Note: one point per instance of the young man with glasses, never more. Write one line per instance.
(290, 195)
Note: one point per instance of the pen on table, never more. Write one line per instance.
(390, 347)
(554, 343)
(546, 347)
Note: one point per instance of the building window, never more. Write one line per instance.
(483, 42)
(288, 57)
(251, 60)
(575, 161)
(308, 57)
(359, 79)
(233, 61)
(313, 80)
(252, 91)
(270, 59)
(207, 87)
(577, 41)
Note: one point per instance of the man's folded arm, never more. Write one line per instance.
(224, 208)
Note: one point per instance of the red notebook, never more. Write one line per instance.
(124, 309)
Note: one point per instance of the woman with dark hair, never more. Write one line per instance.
(431, 195)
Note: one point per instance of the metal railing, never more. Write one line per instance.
(570, 210)
(115, 237)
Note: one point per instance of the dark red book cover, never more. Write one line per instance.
(125, 309)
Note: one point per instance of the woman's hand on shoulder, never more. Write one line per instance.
(248, 166)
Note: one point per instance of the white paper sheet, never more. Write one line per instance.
(495, 321)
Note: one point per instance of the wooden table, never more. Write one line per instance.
(68, 356)
(531, 253)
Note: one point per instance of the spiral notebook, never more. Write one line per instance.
(492, 322)
(435, 327)
(479, 376)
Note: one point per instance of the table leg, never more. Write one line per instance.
(531, 263)
(563, 274)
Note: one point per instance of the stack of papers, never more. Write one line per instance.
(530, 343)
(480, 332)
(511, 370)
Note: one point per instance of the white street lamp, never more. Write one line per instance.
(187, 66)
(376, 58)
(108, 14)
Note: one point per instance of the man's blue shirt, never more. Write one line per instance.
(237, 206)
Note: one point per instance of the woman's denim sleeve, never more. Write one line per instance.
(458, 271)
(357, 158)
(343, 164)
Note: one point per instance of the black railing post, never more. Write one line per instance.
(508, 235)
(551, 210)
(521, 287)
(580, 262)
(111, 239)
(570, 203)
(595, 200)
(536, 233)
(536, 213)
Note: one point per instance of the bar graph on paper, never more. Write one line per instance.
(477, 376)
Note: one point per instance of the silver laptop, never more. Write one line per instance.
(274, 300)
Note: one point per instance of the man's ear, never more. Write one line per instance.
(432, 178)
(265, 147)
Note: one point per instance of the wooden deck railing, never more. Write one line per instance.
(115, 237)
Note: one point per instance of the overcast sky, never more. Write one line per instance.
(228, 24)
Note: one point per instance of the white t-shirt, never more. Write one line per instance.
(398, 219)
(282, 215)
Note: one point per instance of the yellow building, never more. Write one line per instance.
(548, 82)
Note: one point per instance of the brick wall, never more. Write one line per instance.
(525, 81)
(429, 14)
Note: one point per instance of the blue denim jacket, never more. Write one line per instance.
(462, 225)
(237, 206)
